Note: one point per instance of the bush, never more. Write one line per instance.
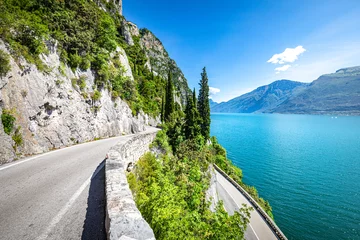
(170, 193)
(17, 137)
(8, 121)
(96, 96)
(4, 63)
(74, 61)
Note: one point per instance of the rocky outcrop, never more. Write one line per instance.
(123, 219)
(118, 4)
(52, 111)
(158, 60)
(159, 63)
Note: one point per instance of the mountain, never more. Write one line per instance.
(75, 71)
(336, 93)
(262, 99)
(212, 103)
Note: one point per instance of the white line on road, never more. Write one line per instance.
(24, 161)
(68, 205)
(50, 152)
(239, 208)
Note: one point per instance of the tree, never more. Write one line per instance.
(204, 106)
(191, 127)
(162, 108)
(169, 101)
(194, 98)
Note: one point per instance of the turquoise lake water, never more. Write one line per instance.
(307, 167)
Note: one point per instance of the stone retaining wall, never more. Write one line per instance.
(123, 219)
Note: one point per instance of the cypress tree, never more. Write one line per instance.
(204, 105)
(169, 101)
(192, 128)
(162, 108)
(194, 98)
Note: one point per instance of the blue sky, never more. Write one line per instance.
(237, 40)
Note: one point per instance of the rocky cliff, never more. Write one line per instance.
(158, 60)
(90, 75)
(51, 111)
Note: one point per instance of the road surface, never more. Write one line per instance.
(257, 229)
(56, 195)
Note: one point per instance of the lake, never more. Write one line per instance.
(307, 167)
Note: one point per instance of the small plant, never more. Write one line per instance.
(85, 63)
(17, 137)
(4, 63)
(95, 109)
(85, 95)
(58, 82)
(24, 93)
(96, 96)
(114, 94)
(82, 82)
(74, 82)
(74, 61)
(7, 120)
(62, 69)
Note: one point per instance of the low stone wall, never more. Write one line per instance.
(123, 219)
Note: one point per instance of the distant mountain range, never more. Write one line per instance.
(336, 93)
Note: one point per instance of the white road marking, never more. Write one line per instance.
(50, 152)
(239, 208)
(254, 232)
(24, 161)
(68, 205)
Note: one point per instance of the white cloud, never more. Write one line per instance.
(213, 90)
(289, 55)
(282, 68)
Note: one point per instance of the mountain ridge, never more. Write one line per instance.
(334, 93)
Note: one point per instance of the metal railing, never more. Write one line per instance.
(266, 217)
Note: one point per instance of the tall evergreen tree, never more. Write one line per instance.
(204, 105)
(194, 98)
(163, 108)
(191, 127)
(169, 101)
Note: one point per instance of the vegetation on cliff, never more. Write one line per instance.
(86, 35)
(170, 187)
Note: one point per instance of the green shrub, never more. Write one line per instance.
(4, 63)
(96, 96)
(8, 121)
(114, 94)
(85, 63)
(74, 82)
(74, 61)
(17, 137)
(82, 82)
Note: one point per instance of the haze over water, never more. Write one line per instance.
(307, 167)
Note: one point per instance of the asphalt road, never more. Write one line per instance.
(56, 195)
(257, 229)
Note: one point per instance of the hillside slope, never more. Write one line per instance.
(262, 99)
(336, 93)
(74, 71)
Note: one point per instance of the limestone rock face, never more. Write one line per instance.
(134, 30)
(118, 4)
(126, 32)
(53, 113)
